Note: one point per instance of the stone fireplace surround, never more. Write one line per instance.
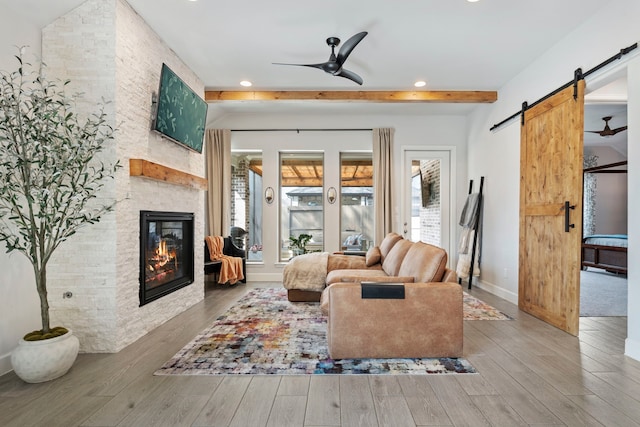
(108, 52)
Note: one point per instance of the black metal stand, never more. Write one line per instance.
(477, 228)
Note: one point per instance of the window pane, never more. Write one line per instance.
(301, 196)
(356, 201)
(246, 207)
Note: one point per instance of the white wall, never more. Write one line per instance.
(19, 304)
(410, 131)
(632, 347)
(496, 155)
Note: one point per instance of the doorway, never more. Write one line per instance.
(603, 291)
(427, 197)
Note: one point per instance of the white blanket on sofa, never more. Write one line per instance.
(306, 272)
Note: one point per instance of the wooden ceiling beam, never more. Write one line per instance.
(357, 182)
(433, 96)
(296, 171)
(301, 182)
(301, 162)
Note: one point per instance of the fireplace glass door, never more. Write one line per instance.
(166, 253)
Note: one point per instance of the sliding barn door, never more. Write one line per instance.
(551, 209)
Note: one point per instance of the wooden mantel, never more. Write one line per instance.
(147, 169)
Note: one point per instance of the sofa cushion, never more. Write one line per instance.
(351, 275)
(392, 262)
(388, 243)
(374, 256)
(425, 262)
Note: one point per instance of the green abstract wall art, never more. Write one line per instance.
(180, 113)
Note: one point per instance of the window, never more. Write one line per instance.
(356, 201)
(246, 208)
(301, 201)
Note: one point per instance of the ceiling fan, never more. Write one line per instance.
(335, 63)
(607, 131)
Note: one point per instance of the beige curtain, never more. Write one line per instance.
(382, 181)
(218, 146)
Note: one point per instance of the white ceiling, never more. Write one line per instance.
(607, 101)
(451, 44)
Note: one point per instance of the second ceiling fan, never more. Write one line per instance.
(335, 63)
(607, 131)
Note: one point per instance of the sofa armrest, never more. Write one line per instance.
(450, 276)
(428, 322)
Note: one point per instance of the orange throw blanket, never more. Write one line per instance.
(231, 267)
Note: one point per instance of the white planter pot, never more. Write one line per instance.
(45, 360)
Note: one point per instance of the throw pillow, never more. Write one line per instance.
(373, 256)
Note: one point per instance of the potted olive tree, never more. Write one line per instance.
(49, 179)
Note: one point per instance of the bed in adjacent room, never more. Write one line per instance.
(605, 251)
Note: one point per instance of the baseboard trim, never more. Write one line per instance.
(5, 364)
(264, 277)
(512, 297)
(632, 348)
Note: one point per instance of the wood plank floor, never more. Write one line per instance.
(530, 373)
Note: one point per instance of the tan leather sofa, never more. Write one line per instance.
(394, 260)
(427, 322)
(399, 260)
(414, 308)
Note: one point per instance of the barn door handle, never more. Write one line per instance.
(567, 207)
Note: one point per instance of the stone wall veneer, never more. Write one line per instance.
(430, 224)
(108, 52)
(590, 182)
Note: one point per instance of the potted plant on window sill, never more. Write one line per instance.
(49, 177)
(298, 245)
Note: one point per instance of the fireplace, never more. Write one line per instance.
(166, 253)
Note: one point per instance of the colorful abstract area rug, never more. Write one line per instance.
(474, 309)
(264, 333)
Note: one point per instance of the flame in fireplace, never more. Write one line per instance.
(162, 261)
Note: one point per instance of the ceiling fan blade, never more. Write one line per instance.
(347, 47)
(620, 129)
(320, 66)
(349, 75)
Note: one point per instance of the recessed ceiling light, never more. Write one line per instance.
(245, 83)
(472, 1)
(420, 83)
